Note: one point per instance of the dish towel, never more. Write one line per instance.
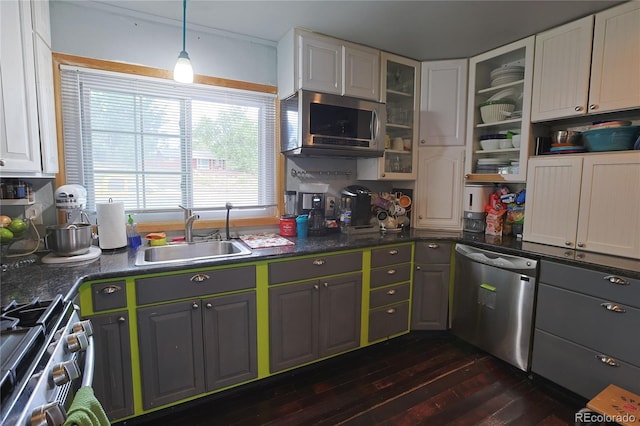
(86, 410)
(264, 240)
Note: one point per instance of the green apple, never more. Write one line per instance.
(17, 226)
(6, 236)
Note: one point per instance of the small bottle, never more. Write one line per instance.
(345, 216)
(133, 238)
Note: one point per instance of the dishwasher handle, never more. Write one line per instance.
(499, 260)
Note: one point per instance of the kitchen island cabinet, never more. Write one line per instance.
(586, 329)
(585, 68)
(571, 203)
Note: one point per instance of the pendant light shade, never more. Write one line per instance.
(183, 71)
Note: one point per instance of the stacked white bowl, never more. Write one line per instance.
(506, 74)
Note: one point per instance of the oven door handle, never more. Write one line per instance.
(89, 363)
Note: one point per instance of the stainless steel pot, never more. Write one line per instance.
(70, 239)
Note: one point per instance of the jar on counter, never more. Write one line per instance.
(288, 226)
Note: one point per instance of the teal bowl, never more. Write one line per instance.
(611, 139)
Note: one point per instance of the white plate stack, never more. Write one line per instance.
(506, 74)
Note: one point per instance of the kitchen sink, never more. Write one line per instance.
(174, 253)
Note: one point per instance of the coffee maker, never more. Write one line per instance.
(316, 216)
(360, 201)
(306, 201)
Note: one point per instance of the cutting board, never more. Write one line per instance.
(265, 240)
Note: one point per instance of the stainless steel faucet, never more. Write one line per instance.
(189, 218)
(228, 206)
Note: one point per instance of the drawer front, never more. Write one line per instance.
(389, 295)
(390, 255)
(388, 321)
(314, 267)
(194, 284)
(111, 295)
(433, 252)
(594, 283)
(611, 328)
(390, 274)
(579, 368)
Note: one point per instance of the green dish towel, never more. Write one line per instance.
(86, 410)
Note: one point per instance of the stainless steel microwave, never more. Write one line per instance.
(320, 124)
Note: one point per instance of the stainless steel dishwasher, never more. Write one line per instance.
(493, 300)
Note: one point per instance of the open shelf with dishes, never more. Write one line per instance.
(498, 118)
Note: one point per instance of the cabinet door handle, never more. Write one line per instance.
(325, 284)
(579, 108)
(418, 268)
(568, 243)
(433, 245)
(391, 272)
(1, 163)
(195, 305)
(593, 107)
(393, 252)
(391, 311)
(613, 308)
(607, 360)
(121, 320)
(319, 262)
(580, 244)
(616, 280)
(391, 292)
(110, 289)
(316, 286)
(198, 278)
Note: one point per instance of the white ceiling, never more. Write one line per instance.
(423, 30)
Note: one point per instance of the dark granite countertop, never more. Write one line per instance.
(47, 280)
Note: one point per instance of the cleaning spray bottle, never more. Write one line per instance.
(133, 238)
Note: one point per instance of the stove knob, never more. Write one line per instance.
(52, 414)
(77, 342)
(83, 326)
(65, 372)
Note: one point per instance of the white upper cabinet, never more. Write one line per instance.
(615, 63)
(19, 143)
(571, 203)
(502, 76)
(28, 140)
(561, 71)
(443, 103)
(582, 68)
(312, 61)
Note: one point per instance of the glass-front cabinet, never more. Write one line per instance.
(400, 88)
(498, 120)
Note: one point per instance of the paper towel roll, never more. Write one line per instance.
(112, 225)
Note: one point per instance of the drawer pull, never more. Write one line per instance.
(195, 305)
(391, 311)
(121, 320)
(198, 278)
(110, 289)
(319, 262)
(316, 286)
(613, 308)
(325, 284)
(391, 272)
(393, 252)
(433, 245)
(607, 360)
(616, 280)
(391, 292)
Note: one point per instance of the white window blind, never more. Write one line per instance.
(155, 144)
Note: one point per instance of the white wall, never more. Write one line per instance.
(97, 31)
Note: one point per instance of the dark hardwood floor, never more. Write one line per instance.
(421, 378)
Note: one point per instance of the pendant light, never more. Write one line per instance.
(183, 71)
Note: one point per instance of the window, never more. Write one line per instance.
(155, 144)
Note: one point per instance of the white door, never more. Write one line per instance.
(615, 70)
(361, 72)
(561, 71)
(443, 103)
(439, 188)
(321, 63)
(553, 198)
(19, 139)
(609, 220)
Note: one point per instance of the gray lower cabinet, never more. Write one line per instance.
(191, 347)
(430, 300)
(314, 319)
(112, 381)
(586, 329)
